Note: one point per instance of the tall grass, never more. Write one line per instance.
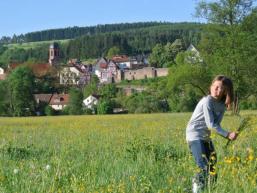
(116, 153)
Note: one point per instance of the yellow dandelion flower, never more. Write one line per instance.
(213, 158)
(212, 173)
(213, 135)
(250, 157)
(228, 161)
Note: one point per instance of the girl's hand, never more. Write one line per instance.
(232, 135)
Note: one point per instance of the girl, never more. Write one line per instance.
(206, 117)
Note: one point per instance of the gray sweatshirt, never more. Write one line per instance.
(206, 116)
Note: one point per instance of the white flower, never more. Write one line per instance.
(47, 167)
(15, 171)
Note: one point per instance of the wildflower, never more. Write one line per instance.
(15, 171)
(47, 167)
(227, 160)
(212, 173)
(250, 157)
(213, 135)
(213, 158)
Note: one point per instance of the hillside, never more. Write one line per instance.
(131, 39)
(73, 32)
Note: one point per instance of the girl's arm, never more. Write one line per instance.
(220, 117)
(231, 135)
(209, 119)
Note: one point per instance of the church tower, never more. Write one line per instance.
(54, 53)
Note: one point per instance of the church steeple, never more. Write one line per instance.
(54, 53)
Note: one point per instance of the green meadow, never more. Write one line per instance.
(33, 45)
(141, 153)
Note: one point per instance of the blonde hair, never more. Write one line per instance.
(228, 92)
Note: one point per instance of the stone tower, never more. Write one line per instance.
(54, 53)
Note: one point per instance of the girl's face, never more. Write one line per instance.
(217, 90)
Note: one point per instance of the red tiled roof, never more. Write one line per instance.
(121, 58)
(59, 99)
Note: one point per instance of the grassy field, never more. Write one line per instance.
(117, 153)
(30, 45)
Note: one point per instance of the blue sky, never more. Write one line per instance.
(23, 16)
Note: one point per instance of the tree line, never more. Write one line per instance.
(130, 42)
(74, 32)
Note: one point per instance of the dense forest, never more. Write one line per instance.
(73, 32)
(132, 42)
(132, 39)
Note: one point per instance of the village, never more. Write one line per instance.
(75, 73)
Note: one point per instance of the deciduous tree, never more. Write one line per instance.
(21, 85)
(75, 101)
(227, 44)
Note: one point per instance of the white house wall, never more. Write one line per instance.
(58, 107)
(1, 71)
(162, 72)
(75, 70)
(90, 101)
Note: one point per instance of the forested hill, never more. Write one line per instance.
(132, 41)
(73, 32)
